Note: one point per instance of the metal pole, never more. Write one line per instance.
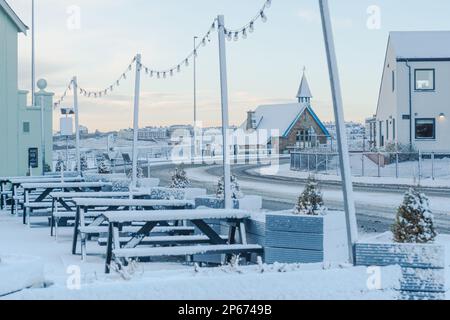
(432, 166)
(33, 57)
(194, 144)
(77, 123)
(224, 95)
(137, 90)
(349, 204)
(42, 133)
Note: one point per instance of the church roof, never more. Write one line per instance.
(304, 91)
(21, 27)
(282, 117)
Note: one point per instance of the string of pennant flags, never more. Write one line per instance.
(231, 34)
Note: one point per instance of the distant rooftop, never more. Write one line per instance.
(421, 44)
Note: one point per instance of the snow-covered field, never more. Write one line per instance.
(174, 280)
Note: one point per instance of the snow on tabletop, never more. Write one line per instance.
(131, 202)
(262, 282)
(95, 194)
(65, 185)
(168, 215)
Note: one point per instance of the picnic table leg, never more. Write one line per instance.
(109, 249)
(52, 220)
(13, 194)
(75, 231)
(83, 235)
(25, 212)
(1, 196)
(243, 236)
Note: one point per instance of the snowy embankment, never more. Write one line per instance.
(274, 282)
(20, 272)
(284, 171)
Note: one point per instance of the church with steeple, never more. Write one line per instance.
(287, 126)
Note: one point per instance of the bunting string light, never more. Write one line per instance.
(236, 34)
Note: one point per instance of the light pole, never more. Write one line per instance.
(33, 66)
(42, 84)
(77, 123)
(347, 186)
(137, 89)
(194, 144)
(225, 119)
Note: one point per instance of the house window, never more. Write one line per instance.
(393, 80)
(425, 129)
(387, 130)
(26, 127)
(394, 134)
(425, 79)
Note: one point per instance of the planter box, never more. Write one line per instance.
(293, 238)
(250, 203)
(423, 266)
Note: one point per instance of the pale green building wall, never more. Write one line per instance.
(14, 144)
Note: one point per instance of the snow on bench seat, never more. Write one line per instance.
(38, 205)
(132, 202)
(132, 229)
(61, 185)
(173, 215)
(164, 240)
(73, 195)
(185, 251)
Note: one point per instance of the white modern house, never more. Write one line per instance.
(20, 124)
(414, 101)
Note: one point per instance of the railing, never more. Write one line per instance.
(416, 165)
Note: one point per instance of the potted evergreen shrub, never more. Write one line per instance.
(240, 201)
(411, 244)
(309, 233)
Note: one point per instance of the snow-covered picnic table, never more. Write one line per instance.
(66, 201)
(42, 192)
(17, 182)
(93, 208)
(119, 251)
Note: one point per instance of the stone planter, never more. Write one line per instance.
(423, 266)
(250, 203)
(305, 239)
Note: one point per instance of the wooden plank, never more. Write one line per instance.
(293, 223)
(424, 280)
(282, 255)
(293, 240)
(255, 227)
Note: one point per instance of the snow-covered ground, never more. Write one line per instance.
(284, 170)
(175, 280)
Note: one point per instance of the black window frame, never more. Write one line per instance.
(434, 80)
(434, 128)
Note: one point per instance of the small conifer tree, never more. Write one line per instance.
(310, 201)
(235, 188)
(180, 179)
(414, 222)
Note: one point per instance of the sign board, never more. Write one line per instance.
(66, 126)
(33, 158)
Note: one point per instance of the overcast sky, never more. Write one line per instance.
(265, 68)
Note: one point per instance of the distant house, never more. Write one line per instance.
(413, 105)
(20, 124)
(285, 126)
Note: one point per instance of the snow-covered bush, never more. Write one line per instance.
(60, 166)
(235, 188)
(103, 166)
(120, 185)
(310, 201)
(83, 163)
(167, 194)
(180, 179)
(414, 222)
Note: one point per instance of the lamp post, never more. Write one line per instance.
(33, 66)
(42, 84)
(225, 119)
(194, 144)
(347, 186)
(137, 89)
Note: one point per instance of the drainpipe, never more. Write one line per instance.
(410, 107)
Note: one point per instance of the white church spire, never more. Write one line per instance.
(304, 93)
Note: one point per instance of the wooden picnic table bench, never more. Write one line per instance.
(16, 184)
(43, 191)
(66, 201)
(85, 207)
(119, 250)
